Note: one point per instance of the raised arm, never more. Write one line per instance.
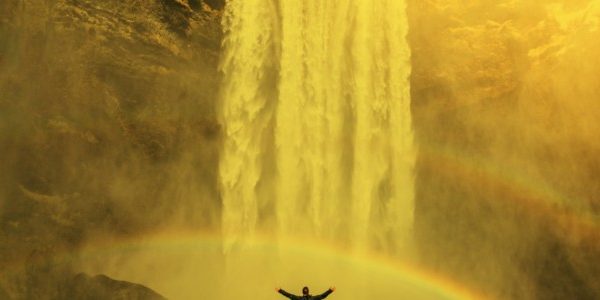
(288, 295)
(324, 295)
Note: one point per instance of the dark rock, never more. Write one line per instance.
(4, 294)
(216, 4)
(101, 287)
(101, 104)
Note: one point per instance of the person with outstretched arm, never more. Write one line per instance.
(305, 294)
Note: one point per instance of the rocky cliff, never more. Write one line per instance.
(505, 100)
(107, 118)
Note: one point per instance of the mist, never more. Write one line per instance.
(504, 97)
(111, 145)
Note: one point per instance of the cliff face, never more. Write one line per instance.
(107, 125)
(505, 100)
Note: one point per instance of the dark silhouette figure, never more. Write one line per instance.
(305, 294)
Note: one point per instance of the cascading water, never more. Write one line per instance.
(316, 108)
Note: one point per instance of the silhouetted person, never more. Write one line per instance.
(305, 294)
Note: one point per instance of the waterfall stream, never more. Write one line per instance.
(316, 108)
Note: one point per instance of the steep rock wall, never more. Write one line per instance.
(107, 126)
(504, 102)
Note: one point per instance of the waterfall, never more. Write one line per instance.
(315, 103)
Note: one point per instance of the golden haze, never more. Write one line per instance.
(111, 134)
